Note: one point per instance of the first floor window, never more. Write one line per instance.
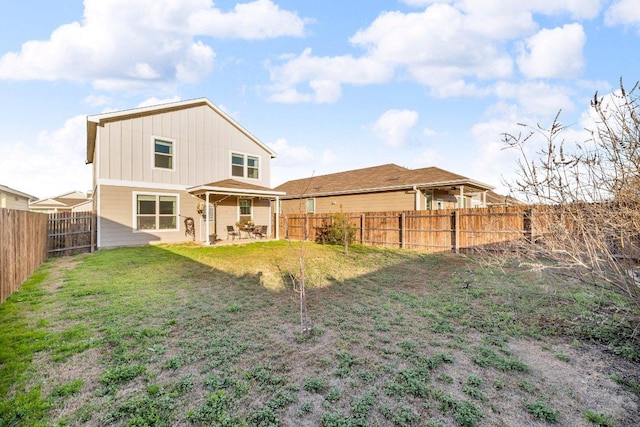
(245, 210)
(156, 212)
(428, 201)
(311, 205)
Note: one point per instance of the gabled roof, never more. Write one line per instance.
(377, 178)
(67, 200)
(9, 190)
(100, 119)
(231, 186)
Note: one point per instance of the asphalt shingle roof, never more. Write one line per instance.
(372, 178)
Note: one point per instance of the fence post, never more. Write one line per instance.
(362, 229)
(403, 236)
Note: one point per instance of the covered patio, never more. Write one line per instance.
(228, 203)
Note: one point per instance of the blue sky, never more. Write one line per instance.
(330, 86)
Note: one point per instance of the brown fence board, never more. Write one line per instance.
(23, 247)
(70, 233)
(432, 231)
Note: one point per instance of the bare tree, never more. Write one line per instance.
(587, 193)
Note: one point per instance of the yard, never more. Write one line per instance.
(187, 335)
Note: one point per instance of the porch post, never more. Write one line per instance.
(277, 209)
(206, 225)
(461, 201)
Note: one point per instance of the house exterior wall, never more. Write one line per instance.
(202, 141)
(12, 201)
(368, 202)
(371, 202)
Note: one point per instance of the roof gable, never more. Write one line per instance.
(100, 119)
(9, 190)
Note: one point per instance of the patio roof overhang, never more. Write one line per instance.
(232, 187)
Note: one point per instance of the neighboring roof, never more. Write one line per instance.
(494, 198)
(231, 186)
(99, 119)
(67, 200)
(5, 189)
(377, 178)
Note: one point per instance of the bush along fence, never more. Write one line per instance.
(432, 231)
(23, 247)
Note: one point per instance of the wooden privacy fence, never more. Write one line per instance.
(23, 247)
(71, 233)
(434, 231)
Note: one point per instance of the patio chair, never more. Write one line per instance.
(232, 232)
(260, 231)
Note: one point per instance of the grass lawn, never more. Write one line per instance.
(187, 335)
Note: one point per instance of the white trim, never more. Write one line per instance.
(174, 154)
(134, 212)
(143, 184)
(241, 192)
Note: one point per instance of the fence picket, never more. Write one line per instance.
(435, 231)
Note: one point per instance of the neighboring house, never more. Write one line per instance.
(495, 199)
(75, 201)
(383, 188)
(14, 199)
(156, 167)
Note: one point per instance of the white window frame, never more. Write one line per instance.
(134, 219)
(245, 164)
(306, 205)
(240, 199)
(174, 153)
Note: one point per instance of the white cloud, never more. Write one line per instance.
(554, 53)
(393, 126)
(52, 166)
(537, 97)
(452, 47)
(289, 155)
(324, 75)
(124, 44)
(260, 19)
(623, 12)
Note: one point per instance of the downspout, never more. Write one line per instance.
(417, 198)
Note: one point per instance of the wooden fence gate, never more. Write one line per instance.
(71, 233)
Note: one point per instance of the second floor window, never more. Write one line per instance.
(163, 154)
(245, 166)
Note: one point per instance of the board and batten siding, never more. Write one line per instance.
(203, 142)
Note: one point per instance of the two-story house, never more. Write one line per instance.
(155, 168)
